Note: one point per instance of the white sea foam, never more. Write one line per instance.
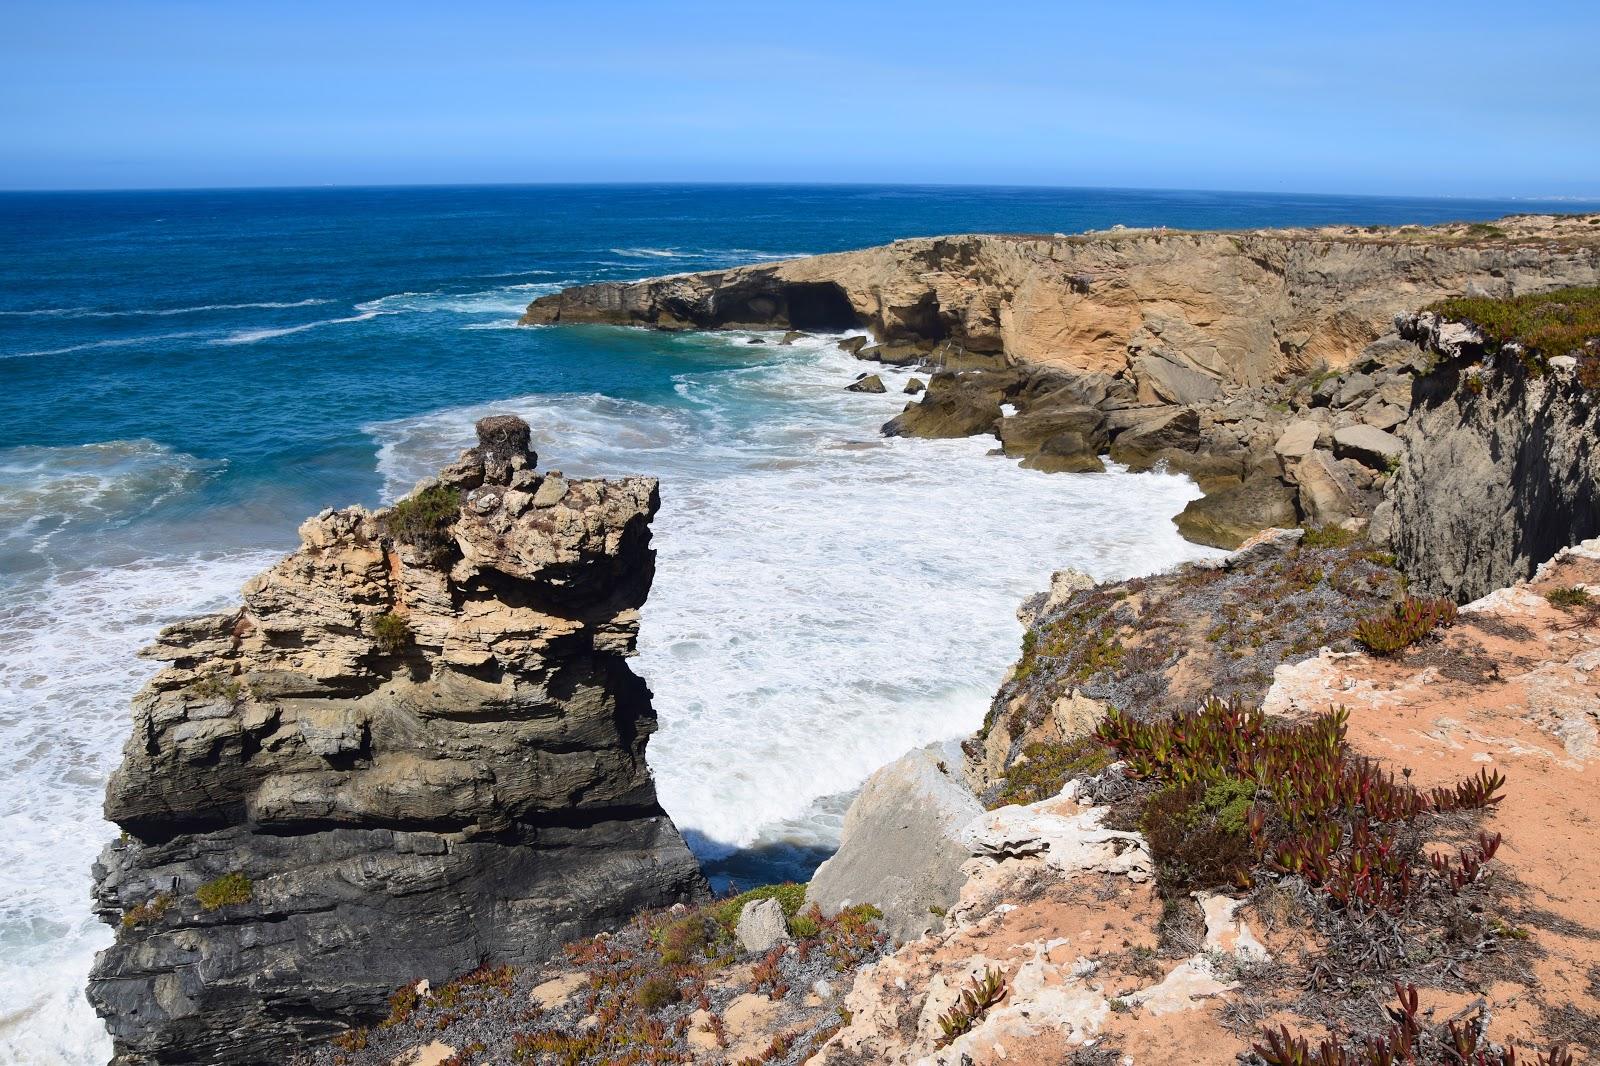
(159, 312)
(112, 342)
(44, 490)
(251, 336)
(505, 299)
(825, 598)
(67, 670)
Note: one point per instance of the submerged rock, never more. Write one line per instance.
(416, 747)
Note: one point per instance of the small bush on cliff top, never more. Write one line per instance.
(1045, 769)
(1408, 1041)
(1413, 618)
(1547, 324)
(1572, 596)
(226, 891)
(1308, 807)
(425, 518)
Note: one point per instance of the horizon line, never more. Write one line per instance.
(352, 186)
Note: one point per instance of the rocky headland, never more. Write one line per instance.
(417, 747)
(1295, 807)
(1285, 370)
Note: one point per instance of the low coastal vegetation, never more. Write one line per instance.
(1409, 621)
(423, 519)
(390, 632)
(229, 890)
(1536, 327)
(668, 984)
(1547, 324)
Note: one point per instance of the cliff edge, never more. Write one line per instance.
(415, 749)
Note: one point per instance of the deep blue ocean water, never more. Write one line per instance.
(185, 375)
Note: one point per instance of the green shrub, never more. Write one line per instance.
(424, 519)
(1198, 837)
(217, 685)
(1571, 596)
(226, 891)
(1547, 324)
(655, 992)
(1046, 768)
(391, 632)
(790, 896)
(1413, 618)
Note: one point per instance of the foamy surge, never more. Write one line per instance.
(67, 670)
(825, 598)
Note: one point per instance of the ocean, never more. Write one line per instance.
(184, 376)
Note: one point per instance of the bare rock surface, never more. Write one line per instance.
(416, 747)
(1182, 312)
(1499, 468)
(900, 849)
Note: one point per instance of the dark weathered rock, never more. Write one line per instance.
(1025, 433)
(1495, 479)
(955, 405)
(410, 756)
(853, 345)
(914, 386)
(1231, 516)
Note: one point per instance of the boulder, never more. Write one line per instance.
(953, 406)
(900, 848)
(1327, 496)
(1297, 440)
(1368, 445)
(914, 386)
(853, 345)
(762, 926)
(1023, 434)
(1354, 389)
(1137, 446)
(866, 383)
(1172, 381)
(792, 336)
(1326, 390)
(1380, 414)
(1228, 518)
(894, 354)
(1066, 453)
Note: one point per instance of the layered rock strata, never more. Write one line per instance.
(417, 747)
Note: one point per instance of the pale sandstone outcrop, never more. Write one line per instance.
(413, 757)
(1179, 312)
(1052, 900)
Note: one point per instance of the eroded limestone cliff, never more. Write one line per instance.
(416, 748)
(1176, 313)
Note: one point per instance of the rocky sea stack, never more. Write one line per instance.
(415, 749)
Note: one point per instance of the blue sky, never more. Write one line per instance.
(1391, 98)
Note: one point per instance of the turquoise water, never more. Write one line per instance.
(185, 375)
